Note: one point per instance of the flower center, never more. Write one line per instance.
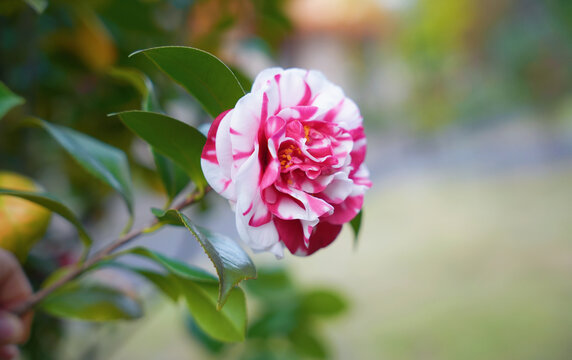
(286, 153)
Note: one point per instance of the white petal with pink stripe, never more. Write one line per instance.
(290, 159)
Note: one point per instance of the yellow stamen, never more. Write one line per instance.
(286, 154)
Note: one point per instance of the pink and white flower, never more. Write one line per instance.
(289, 158)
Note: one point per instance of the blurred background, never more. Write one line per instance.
(465, 250)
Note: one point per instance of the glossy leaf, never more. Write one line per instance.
(140, 82)
(49, 202)
(101, 160)
(91, 302)
(210, 344)
(178, 141)
(175, 266)
(242, 78)
(355, 223)
(231, 262)
(38, 5)
(202, 74)
(325, 303)
(8, 100)
(227, 324)
(166, 283)
(173, 177)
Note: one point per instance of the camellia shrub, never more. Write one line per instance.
(288, 155)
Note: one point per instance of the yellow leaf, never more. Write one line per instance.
(22, 223)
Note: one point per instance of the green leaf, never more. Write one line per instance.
(243, 79)
(8, 100)
(141, 83)
(306, 344)
(355, 223)
(91, 302)
(173, 177)
(277, 321)
(166, 283)
(271, 283)
(103, 161)
(325, 303)
(231, 262)
(210, 344)
(38, 5)
(202, 74)
(227, 324)
(178, 141)
(174, 266)
(57, 275)
(51, 203)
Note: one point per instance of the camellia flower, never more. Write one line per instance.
(289, 158)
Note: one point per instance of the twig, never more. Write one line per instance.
(37, 297)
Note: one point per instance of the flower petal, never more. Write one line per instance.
(295, 204)
(339, 189)
(265, 77)
(216, 156)
(291, 234)
(346, 211)
(293, 88)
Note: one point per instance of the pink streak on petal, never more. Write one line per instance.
(306, 112)
(264, 110)
(270, 174)
(307, 234)
(346, 211)
(331, 115)
(305, 100)
(248, 210)
(209, 151)
(259, 220)
(226, 185)
(274, 125)
(296, 204)
(241, 155)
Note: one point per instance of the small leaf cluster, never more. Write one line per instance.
(216, 302)
(287, 325)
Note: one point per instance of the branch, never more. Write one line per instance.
(37, 297)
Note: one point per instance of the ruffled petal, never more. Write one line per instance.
(252, 215)
(265, 77)
(295, 204)
(346, 211)
(289, 157)
(216, 158)
(339, 189)
(293, 88)
(292, 235)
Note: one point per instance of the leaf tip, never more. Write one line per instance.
(135, 53)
